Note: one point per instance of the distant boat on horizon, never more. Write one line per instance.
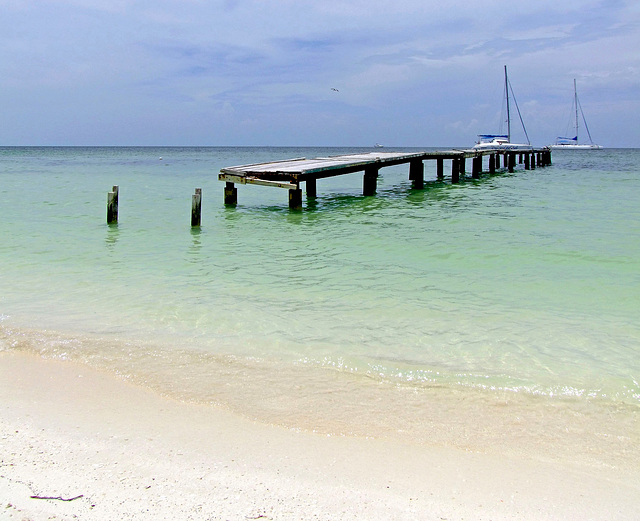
(503, 141)
(571, 143)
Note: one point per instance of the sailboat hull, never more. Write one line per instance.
(498, 145)
(575, 147)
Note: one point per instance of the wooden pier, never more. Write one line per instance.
(288, 174)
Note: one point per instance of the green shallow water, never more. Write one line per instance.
(521, 284)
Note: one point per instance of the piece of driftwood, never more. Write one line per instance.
(58, 498)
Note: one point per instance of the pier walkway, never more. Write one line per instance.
(288, 174)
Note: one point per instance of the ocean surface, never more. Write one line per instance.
(499, 311)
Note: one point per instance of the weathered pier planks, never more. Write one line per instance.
(288, 174)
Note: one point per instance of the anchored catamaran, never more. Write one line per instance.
(503, 141)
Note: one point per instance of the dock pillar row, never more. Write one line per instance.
(230, 194)
(369, 183)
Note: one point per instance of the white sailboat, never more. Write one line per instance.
(571, 143)
(503, 141)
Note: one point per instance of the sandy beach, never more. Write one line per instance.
(104, 449)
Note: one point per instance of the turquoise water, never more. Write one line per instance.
(514, 285)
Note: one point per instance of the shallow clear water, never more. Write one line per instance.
(522, 284)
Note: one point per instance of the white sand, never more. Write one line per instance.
(66, 431)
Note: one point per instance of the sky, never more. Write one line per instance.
(408, 73)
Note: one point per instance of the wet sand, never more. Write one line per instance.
(124, 452)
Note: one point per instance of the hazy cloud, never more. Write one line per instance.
(410, 73)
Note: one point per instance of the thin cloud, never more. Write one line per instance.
(408, 65)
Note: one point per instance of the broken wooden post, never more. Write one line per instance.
(230, 194)
(196, 207)
(112, 206)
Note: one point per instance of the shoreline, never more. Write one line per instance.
(69, 430)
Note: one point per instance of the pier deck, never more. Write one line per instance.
(290, 173)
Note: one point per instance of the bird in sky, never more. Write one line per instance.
(335, 89)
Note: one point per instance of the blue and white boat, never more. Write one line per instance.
(503, 141)
(572, 143)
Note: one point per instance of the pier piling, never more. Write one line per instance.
(476, 167)
(196, 207)
(311, 187)
(295, 199)
(230, 194)
(455, 170)
(369, 183)
(112, 206)
(440, 168)
(416, 173)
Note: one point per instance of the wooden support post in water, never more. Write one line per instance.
(533, 161)
(527, 161)
(230, 194)
(416, 173)
(112, 206)
(455, 170)
(492, 163)
(295, 199)
(196, 207)
(512, 161)
(369, 183)
(463, 165)
(310, 185)
(440, 168)
(476, 167)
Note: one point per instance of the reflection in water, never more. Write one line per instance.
(113, 233)
(196, 243)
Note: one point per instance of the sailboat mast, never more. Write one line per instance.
(506, 88)
(575, 101)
